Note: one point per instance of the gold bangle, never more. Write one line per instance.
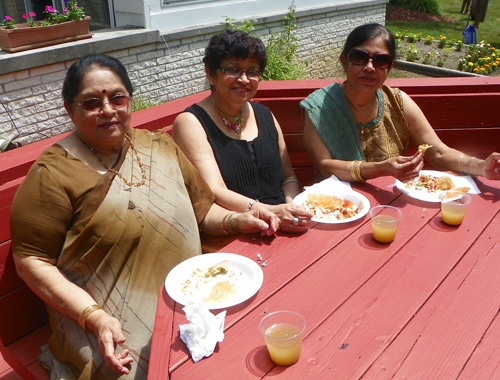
(355, 170)
(358, 171)
(351, 170)
(85, 314)
(229, 222)
(222, 224)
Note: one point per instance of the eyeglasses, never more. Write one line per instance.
(231, 72)
(360, 57)
(93, 104)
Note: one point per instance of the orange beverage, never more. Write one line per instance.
(284, 341)
(282, 332)
(454, 206)
(452, 216)
(384, 228)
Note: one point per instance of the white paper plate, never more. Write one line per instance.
(250, 283)
(423, 194)
(350, 195)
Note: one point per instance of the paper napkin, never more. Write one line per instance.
(474, 189)
(328, 185)
(204, 331)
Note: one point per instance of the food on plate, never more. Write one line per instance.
(422, 148)
(214, 284)
(220, 268)
(432, 184)
(330, 207)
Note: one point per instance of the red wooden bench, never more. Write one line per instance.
(460, 110)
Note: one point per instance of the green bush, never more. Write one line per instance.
(428, 6)
(283, 62)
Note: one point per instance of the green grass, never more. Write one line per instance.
(489, 31)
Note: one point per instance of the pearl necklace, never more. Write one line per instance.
(237, 126)
(134, 155)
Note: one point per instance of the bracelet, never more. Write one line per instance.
(222, 224)
(468, 164)
(85, 314)
(289, 181)
(229, 222)
(249, 207)
(355, 170)
(459, 158)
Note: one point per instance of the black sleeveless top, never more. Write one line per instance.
(252, 168)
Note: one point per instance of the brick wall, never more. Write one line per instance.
(169, 68)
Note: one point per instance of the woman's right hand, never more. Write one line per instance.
(404, 168)
(108, 331)
(289, 213)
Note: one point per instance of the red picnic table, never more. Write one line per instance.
(423, 307)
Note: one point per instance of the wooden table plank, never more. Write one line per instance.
(282, 252)
(437, 329)
(345, 269)
(370, 320)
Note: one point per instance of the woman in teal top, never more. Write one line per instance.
(361, 129)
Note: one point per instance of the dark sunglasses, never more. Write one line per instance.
(360, 57)
(117, 101)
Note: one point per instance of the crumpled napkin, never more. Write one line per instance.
(332, 184)
(204, 331)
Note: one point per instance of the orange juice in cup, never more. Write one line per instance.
(385, 223)
(454, 206)
(282, 332)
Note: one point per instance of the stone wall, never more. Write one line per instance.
(162, 67)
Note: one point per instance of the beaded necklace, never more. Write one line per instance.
(237, 126)
(134, 155)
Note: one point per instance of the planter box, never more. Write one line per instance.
(25, 37)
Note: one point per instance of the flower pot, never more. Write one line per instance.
(25, 37)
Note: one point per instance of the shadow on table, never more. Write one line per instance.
(259, 363)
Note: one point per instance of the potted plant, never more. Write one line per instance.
(56, 28)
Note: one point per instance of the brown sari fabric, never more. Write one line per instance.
(121, 252)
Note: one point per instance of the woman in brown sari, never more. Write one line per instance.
(101, 218)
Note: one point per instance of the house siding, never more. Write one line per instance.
(162, 67)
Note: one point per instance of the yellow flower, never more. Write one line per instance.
(475, 70)
(459, 41)
(470, 64)
(482, 69)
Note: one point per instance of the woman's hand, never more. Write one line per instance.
(404, 168)
(256, 220)
(294, 218)
(108, 331)
(491, 166)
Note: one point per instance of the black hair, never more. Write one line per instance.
(234, 43)
(364, 32)
(90, 62)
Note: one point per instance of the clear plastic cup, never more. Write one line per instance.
(385, 223)
(282, 332)
(454, 206)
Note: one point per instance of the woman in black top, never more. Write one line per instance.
(236, 145)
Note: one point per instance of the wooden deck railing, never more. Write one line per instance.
(461, 110)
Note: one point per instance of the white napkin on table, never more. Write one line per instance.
(204, 331)
(329, 185)
(474, 189)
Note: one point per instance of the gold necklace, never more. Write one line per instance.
(237, 126)
(370, 108)
(134, 155)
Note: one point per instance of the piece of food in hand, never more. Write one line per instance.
(422, 148)
(220, 268)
